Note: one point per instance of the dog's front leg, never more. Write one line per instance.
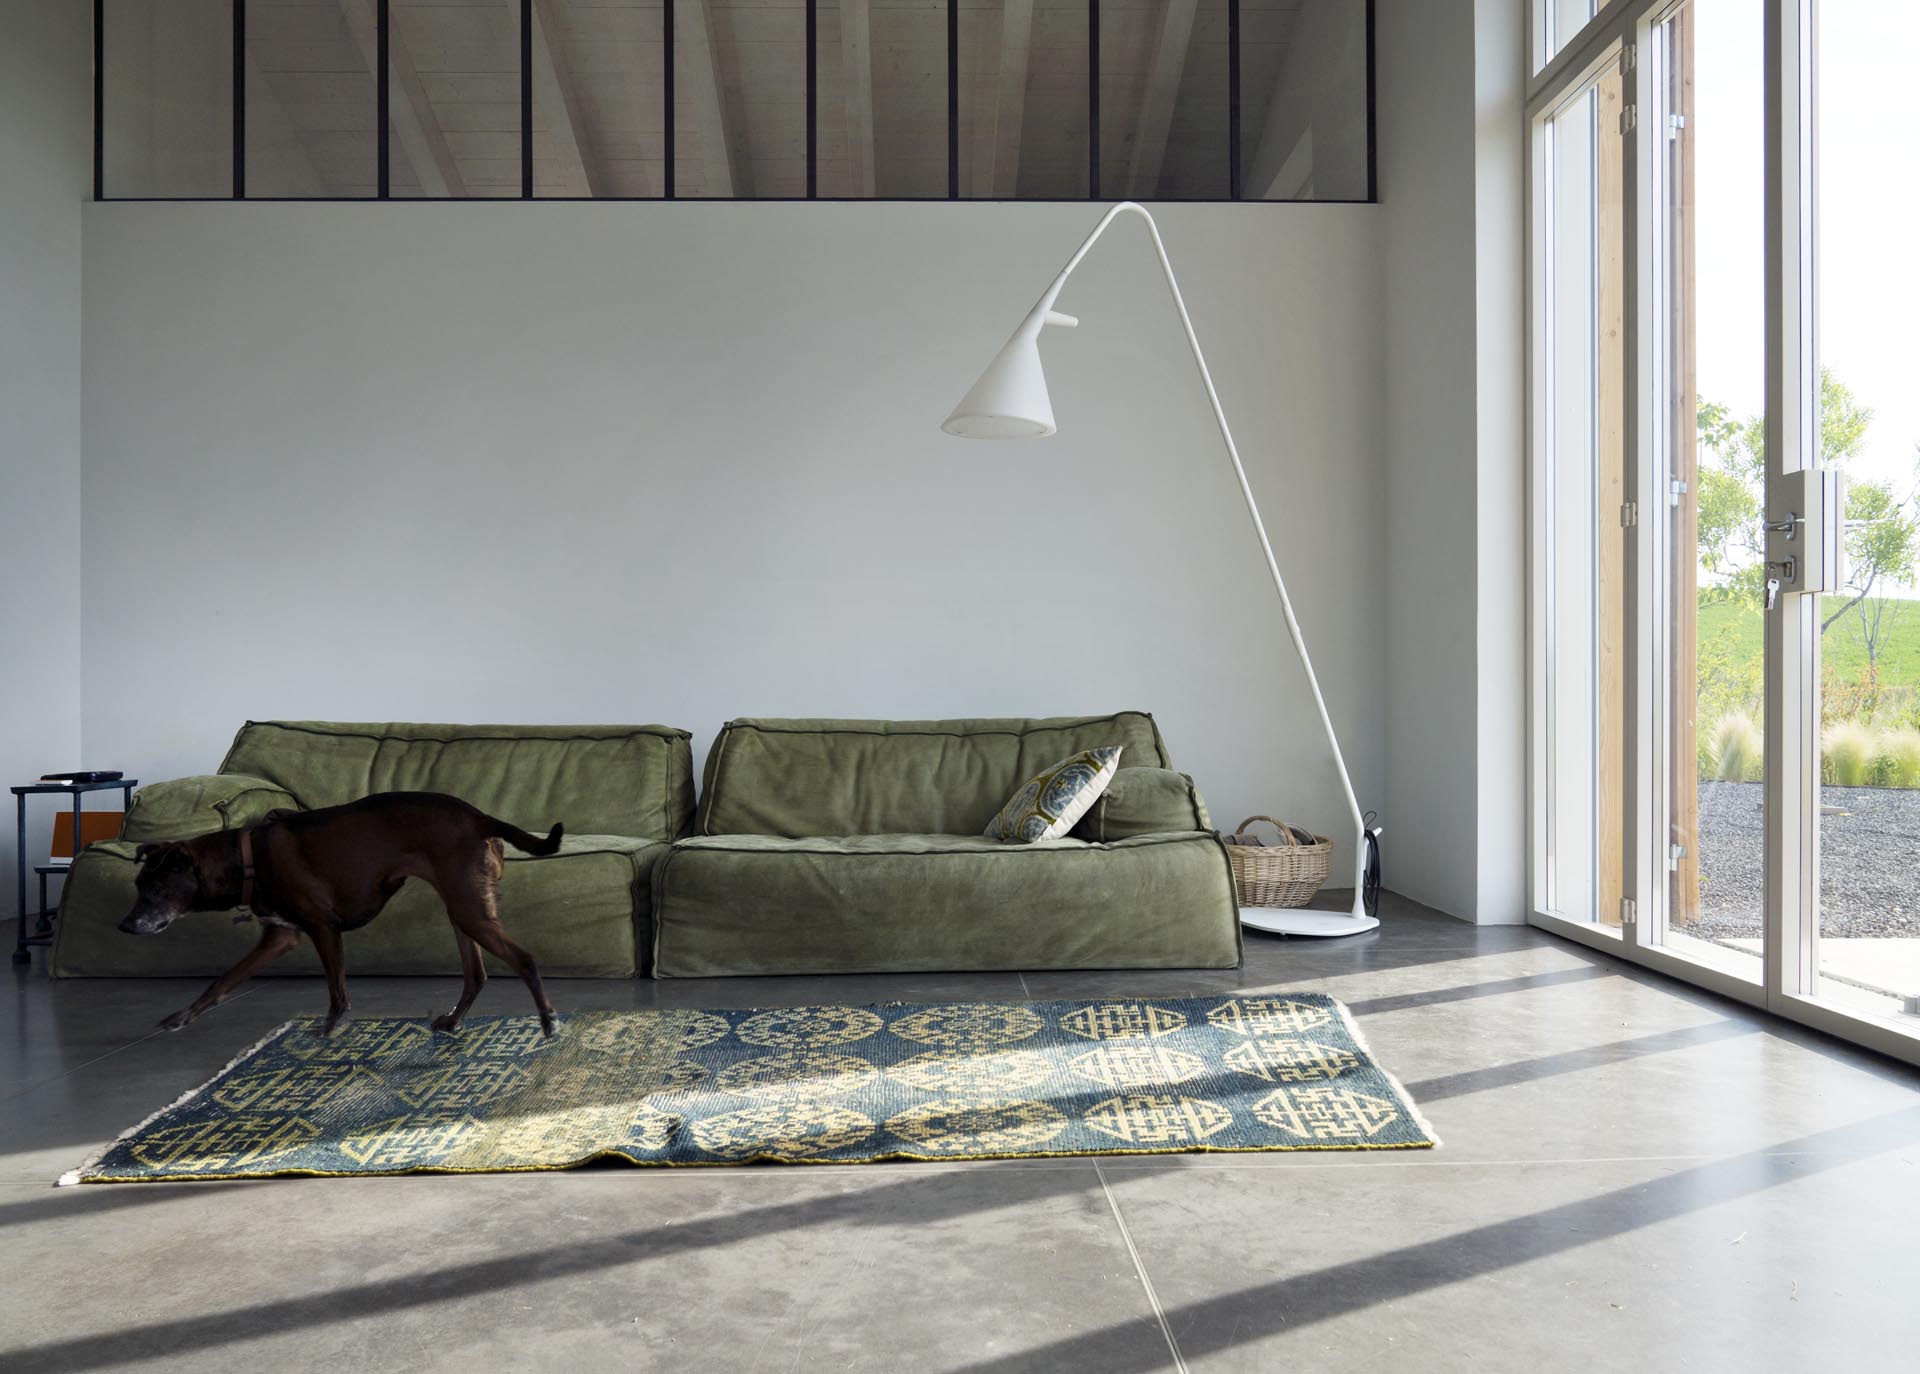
(274, 942)
(326, 943)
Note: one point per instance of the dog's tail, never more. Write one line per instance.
(520, 839)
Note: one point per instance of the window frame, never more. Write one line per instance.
(1789, 981)
(383, 131)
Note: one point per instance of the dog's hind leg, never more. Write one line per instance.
(326, 943)
(472, 905)
(474, 969)
(472, 899)
(499, 944)
(274, 942)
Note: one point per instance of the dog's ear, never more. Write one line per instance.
(167, 851)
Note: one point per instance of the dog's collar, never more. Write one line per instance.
(246, 870)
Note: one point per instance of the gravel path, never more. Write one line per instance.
(1869, 861)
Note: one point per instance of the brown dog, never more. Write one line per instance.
(322, 873)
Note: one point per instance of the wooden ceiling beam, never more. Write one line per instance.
(1165, 71)
(997, 175)
(409, 110)
(700, 39)
(554, 91)
(856, 61)
(267, 119)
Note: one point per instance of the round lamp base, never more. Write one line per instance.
(1300, 921)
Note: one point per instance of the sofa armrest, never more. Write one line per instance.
(185, 807)
(1144, 801)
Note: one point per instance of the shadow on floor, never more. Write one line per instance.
(1571, 1061)
(1373, 1006)
(1215, 1324)
(918, 1200)
(68, 1203)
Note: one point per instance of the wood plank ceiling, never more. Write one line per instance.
(740, 97)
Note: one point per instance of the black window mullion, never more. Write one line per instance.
(953, 99)
(239, 99)
(1233, 99)
(526, 99)
(1373, 159)
(383, 103)
(1093, 99)
(99, 100)
(666, 42)
(813, 99)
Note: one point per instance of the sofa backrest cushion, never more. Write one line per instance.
(894, 777)
(632, 780)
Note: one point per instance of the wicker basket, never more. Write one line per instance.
(1286, 874)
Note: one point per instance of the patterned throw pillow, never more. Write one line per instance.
(1047, 807)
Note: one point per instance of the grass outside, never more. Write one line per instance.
(1736, 626)
(1870, 727)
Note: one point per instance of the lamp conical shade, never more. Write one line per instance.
(1010, 400)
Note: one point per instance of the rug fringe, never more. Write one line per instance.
(1406, 1098)
(76, 1175)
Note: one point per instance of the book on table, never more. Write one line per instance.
(94, 827)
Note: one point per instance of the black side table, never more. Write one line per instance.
(43, 934)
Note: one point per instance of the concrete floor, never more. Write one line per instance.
(1635, 1176)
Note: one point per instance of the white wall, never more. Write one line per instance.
(44, 122)
(1500, 543)
(579, 462)
(1450, 85)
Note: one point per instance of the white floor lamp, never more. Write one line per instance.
(1010, 401)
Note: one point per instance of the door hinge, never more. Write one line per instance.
(1675, 853)
(1627, 59)
(1675, 123)
(1628, 914)
(1629, 118)
(1629, 515)
(1676, 489)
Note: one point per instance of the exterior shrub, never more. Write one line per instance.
(1733, 750)
(1847, 754)
(1896, 759)
(1707, 761)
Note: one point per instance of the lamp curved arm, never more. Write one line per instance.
(1046, 313)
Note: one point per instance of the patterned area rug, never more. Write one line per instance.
(798, 1085)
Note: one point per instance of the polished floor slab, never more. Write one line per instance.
(1634, 1175)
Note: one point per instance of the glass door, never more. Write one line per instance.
(1865, 204)
(1707, 482)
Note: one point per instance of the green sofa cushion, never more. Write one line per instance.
(596, 779)
(756, 904)
(881, 777)
(583, 912)
(1144, 801)
(184, 807)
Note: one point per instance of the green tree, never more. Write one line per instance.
(1843, 421)
(1883, 529)
(1729, 513)
(1883, 543)
(1731, 476)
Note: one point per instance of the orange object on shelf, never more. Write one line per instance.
(94, 827)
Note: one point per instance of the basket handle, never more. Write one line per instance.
(1286, 831)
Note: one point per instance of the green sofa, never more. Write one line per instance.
(624, 793)
(847, 846)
